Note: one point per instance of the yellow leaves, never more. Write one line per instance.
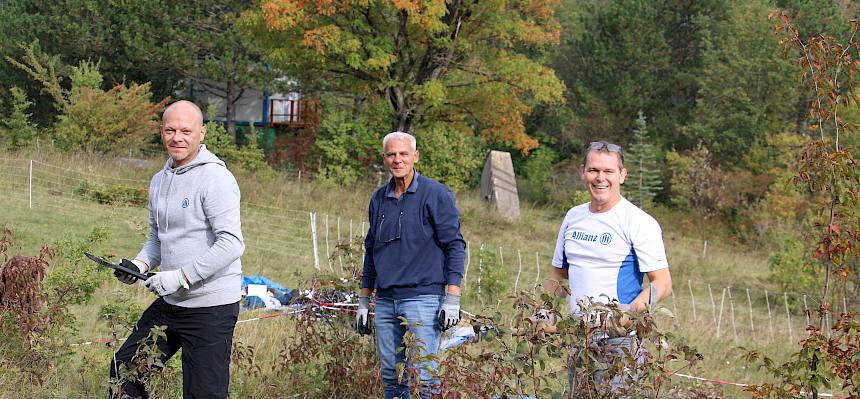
(423, 14)
(380, 62)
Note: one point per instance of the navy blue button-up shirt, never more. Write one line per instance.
(413, 246)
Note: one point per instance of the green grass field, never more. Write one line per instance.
(278, 234)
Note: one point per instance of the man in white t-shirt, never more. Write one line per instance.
(607, 245)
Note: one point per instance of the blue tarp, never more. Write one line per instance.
(280, 292)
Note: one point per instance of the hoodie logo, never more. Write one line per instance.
(185, 202)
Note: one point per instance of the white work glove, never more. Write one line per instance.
(166, 283)
(362, 317)
(131, 264)
(449, 314)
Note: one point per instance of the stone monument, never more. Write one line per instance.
(499, 185)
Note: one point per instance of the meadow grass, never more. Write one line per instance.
(276, 218)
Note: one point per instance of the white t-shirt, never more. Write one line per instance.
(607, 253)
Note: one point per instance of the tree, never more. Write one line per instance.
(470, 64)
(620, 57)
(697, 183)
(643, 166)
(17, 129)
(90, 118)
(747, 89)
(227, 55)
(163, 42)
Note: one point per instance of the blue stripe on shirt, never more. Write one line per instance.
(629, 283)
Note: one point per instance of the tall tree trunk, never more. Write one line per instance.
(232, 98)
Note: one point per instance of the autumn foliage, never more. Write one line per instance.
(469, 64)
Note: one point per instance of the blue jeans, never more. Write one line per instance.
(420, 313)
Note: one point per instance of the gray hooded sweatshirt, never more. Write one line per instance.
(194, 226)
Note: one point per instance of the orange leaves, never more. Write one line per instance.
(281, 14)
(284, 14)
(320, 38)
(539, 26)
(410, 6)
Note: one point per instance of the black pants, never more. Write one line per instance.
(205, 336)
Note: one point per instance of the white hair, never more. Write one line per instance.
(399, 136)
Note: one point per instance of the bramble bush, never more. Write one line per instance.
(324, 357)
(35, 295)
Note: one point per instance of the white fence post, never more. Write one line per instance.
(314, 239)
(749, 303)
(30, 186)
(519, 271)
(327, 249)
(468, 261)
(692, 300)
(720, 319)
(788, 316)
(769, 318)
(732, 312)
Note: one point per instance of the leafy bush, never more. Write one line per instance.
(792, 267)
(348, 148)
(90, 118)
(489, 286)
(538, 174)
(449, 157)
(35, 319)
(249, 157)
(17, 129)
(113, 194)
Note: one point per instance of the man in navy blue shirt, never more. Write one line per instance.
(414, 261)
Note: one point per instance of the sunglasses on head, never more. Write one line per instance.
(602, 145)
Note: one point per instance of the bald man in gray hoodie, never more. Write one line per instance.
(195, 241)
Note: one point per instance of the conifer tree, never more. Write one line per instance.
(643, 166)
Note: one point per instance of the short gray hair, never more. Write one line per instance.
(399, 136)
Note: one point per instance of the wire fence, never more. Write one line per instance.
(280, 242)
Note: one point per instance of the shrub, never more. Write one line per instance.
(91, 118)
(538, 173)
(113, 194)
(28, 320)
(249, 157)
(347, 148)
(449, 157)
(17, 129)
(490, 285)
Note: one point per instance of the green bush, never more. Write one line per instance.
(538, 172)
(35, 319)
(449, 157)
(347, 148)
(17, 129)
(90, 118)
(113, 194)
(488, 285)
(249, 157)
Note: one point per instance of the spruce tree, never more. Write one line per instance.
(643, 166)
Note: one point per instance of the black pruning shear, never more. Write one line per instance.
(125, 266)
